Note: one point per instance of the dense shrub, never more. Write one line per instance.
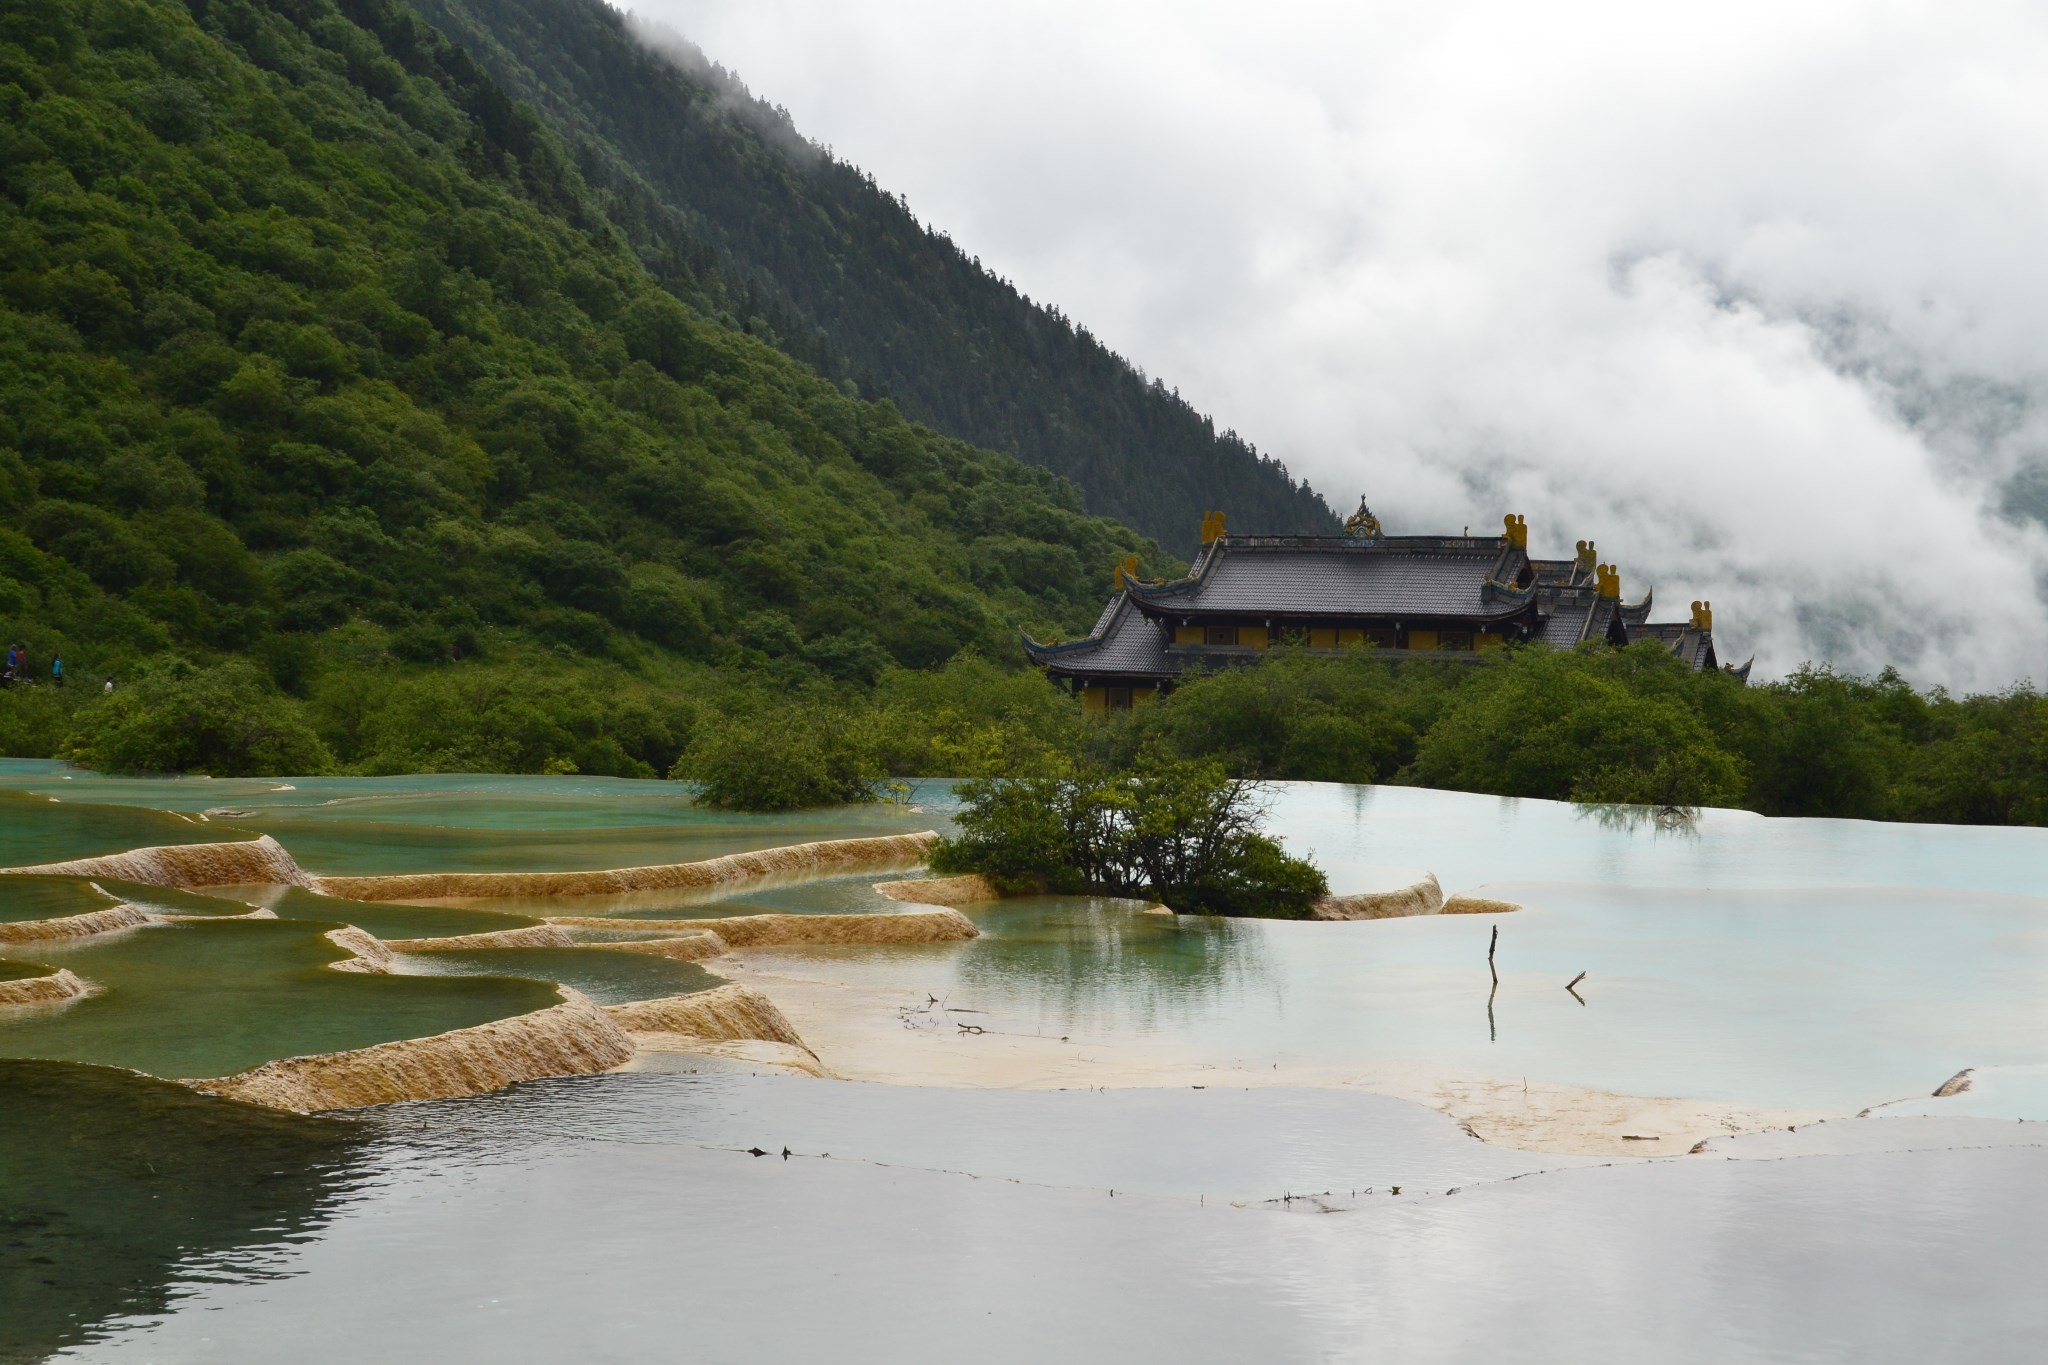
(173, 717)
(793, 756)
(1551, 724)
(1178, 831)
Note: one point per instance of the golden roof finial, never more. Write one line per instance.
(1212, 527)
(1362, 523)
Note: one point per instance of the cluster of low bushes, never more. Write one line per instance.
(1599, 725)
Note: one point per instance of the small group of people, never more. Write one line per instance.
(18, 672)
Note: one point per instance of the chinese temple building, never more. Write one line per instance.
(1437, 597)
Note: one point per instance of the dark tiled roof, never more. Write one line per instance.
(1336, 579)
(1123, 641)
(1633, 616)
(1573, 618)
(1682, 638)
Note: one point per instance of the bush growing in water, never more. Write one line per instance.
(1179, 831)
(174, 717)
(789, 757)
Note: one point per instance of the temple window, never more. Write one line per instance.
(1219, 635)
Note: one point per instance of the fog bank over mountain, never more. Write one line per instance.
(1749, 295)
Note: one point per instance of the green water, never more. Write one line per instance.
(210, 999)
(111, 1183)
(16, 969)
(609, 978)
(436, 822)
(37, 829)
(29, 898)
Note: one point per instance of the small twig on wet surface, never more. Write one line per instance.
(1572, 983)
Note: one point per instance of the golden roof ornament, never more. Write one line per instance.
(1362, 523)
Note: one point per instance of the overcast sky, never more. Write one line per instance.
(1752, 295)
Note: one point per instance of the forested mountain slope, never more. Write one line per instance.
(317, 351)
(810, 248)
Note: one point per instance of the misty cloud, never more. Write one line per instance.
(1748, 294)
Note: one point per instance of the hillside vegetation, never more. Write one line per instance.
(722, 195)
(334, 407)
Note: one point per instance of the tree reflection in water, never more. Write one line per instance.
(1086, 960)
(115, 1189)
(1680, 821)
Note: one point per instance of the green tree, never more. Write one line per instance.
(172, 717)
(1571, 726)
(1176, 830)
(793, 756)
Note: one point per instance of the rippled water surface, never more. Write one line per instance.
(615, 1218)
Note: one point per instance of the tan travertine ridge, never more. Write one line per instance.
(968, 890)
(163, 917)
(1478, 905)
(1422, 898)
(186, 866)
(372, 954)
(529, 936)
(74, 926)
(830, 855)
(574, 1038)
(53, 989)
(683, 947)
(728, 1014)
(787, 931)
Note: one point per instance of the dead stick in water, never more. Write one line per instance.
(1573, 982)
(1492, 1032)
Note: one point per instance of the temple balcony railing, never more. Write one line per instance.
(1185, 655)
